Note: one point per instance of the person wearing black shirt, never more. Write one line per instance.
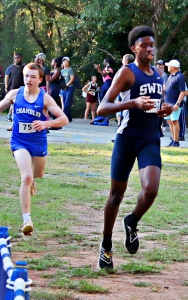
(14, 79)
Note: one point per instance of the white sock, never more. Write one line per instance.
(26, 217)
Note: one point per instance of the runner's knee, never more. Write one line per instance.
(27, 179)
(115, 199)
(150, 191)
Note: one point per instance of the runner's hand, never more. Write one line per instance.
(39, 125)
(165, 110)
(144, 103)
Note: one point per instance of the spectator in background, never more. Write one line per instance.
(182, 118)
(54, 85)
(54, 80)
(174, 93)
(67, 94)
(1, 72)
(14, 79)
(91, 98)
(161, 65)
(45, 84)
(127, 59)
(107, 76)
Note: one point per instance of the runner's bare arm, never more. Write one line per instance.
(8, 100)
(52, 107)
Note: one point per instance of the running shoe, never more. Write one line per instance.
(131, 240)
(27, 228)
(9, 118)
(9, 129)
(175, 144)
(171, 143)
(105, 258)
(33, 188)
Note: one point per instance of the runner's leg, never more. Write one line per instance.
(23, 160)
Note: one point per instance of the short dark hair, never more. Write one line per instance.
(18, 54)
(139, 32)
(34, 66)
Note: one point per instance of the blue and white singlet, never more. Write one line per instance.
(135, 121)
(24, 115)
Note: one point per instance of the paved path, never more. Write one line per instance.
(80, 131)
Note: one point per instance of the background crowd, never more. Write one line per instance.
(94, 90)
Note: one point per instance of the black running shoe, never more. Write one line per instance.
(131, 241)
(105, 258)
(171, 143)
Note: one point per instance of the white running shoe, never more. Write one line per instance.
(27, 228)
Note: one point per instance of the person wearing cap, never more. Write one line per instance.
(67, 94)
(45, 84)
(161, 65)
(174, 93)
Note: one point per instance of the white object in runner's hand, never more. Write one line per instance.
(157, 106)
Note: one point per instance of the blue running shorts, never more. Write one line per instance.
(127, 149)
(37, 148)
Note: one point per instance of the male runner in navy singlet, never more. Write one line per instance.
(29, 140)
(138, 137)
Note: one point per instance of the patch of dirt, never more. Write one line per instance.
(170, 284)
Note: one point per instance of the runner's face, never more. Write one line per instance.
(144, 49)
(31, 78)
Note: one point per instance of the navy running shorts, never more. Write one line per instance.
(39, 148)
(127, 149)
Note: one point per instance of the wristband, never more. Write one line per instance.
(178, 103)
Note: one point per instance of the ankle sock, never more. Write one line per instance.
(26, 217)
(107, 241)
(133, 220)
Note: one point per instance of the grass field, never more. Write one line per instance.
(67, 212)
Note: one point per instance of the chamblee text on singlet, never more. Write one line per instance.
(29, 111)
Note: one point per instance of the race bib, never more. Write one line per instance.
(26, 128)
(157, 106)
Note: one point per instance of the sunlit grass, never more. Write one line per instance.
(67, 212)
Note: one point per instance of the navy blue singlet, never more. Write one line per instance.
(135, 121)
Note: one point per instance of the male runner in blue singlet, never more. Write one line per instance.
(138, 137)
(29, 140)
